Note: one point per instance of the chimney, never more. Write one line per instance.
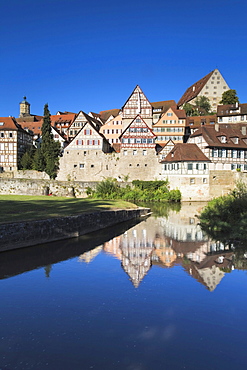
(217, 127)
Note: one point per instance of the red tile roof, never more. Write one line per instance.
(9, 123)
(105, 114)
(164, 105)
(212, 136)
(197, 121)
(231, 109)
(194, 89)
(184, 153)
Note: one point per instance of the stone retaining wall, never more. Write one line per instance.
(24, 234)
(44, 187)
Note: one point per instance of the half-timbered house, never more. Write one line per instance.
(14, 141)
(224, 145)
(138, 135)
(83, 158)
(187, 168)
(137, 104)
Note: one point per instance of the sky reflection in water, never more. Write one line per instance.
(156, 295)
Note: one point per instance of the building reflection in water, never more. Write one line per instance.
(166, 242)
(90, 255)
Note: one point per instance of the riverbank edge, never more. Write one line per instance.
(30, 233)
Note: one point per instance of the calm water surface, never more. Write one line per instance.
(155, 295)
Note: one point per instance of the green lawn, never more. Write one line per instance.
(16, 208)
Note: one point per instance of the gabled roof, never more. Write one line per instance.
(92, 124)
(212, 135)
(58, 133)
(231, 109)
(136, 88)
(185, 153)
(167, 144)
(93, 121)
(194, 89)
(143, 122)
(62, 118)
(164, 105)
(197, 121)
(30, 118)
(105, 114)
(9, 123)
(63, 113)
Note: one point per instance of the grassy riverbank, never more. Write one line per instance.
(16, 208)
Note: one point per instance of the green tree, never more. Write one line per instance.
(229, 97)
(26, 162)
(189, 109)
(50, 149)
(38, 161)
(202, 105)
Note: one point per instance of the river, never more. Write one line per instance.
(154, 295)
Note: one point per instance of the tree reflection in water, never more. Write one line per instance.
(176, 238)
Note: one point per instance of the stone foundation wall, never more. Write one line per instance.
(45, 187)
(24, 234)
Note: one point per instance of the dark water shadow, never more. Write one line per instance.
(26, 259)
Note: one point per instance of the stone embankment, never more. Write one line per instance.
(29, 233)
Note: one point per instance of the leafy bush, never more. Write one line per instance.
(225, 217)
(149, 185)
(143, 191)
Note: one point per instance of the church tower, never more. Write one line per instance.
(24, 108)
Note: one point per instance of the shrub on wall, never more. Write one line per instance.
(143, 191)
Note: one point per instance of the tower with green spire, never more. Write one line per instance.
(24, 108)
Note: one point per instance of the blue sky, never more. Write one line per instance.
(89, 55)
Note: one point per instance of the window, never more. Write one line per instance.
(134, 152)
(169, 114)
(10, 146)
(92, 165)
(125, 152)
(75, 165)
(81, 165)
(214, 152)
(190, 166)
(10, 134)
(2, 146)
(2, 134)
(204, 180)
(144, 152)
(192, 180)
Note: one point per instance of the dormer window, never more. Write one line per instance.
(235, 140)
(223, 139)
